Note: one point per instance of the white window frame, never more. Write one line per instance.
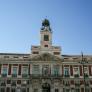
(12, 69)
(3, 67)
(87, 70)
(25, 67)
(68, 70)
(36, 71)
(78, 72)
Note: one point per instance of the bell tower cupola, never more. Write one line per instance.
(46, 34)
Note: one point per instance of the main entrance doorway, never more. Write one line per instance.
(46, 87)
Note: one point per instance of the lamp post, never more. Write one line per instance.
(83, 62)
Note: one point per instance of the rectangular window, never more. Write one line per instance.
(86, 71)
(8, 81)
(23, 89)
(14, 71)
(4, 71)
(13, 90)
(56, 90)
(77, 90)
(3, 83)
(8, 89)
(76, 71)
(2, 90)
(45, 70)
(24, 71)
(35, 90)
(66, 71)
(56, 70)
(13, 83)
(56, 53)
(35, 52)
(36, 69)
(45, 45)
(46, 38)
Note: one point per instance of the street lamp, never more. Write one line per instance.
(83, 62)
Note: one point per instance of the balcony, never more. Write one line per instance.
(4, 75)
(45, 76)
(24, 75)
(14, 75)
(66, 75)
(76, 75)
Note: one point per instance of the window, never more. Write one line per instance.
(18, 90)
(76, 71)
(46, 38)
(13, 90)
(77, 90)
(14, 72)
(4, 71)
(35, 52)
(8, 89)
(18, 81)
(45, 45)
(3, 83)
(45, 70)
(8, 81)
(24, 82)
(66, 83)
(67, 90)
(35, 90)
(6, 56)
(66, 71)
(13, 83)
(86, 71)
(56, 70)
(56, 90)
(2, 90)
(24, 71)
(87, 90)
(77, 83)
(23, 89)
(56, 53)
(36, 69)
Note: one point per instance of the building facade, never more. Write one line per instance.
(45, 69)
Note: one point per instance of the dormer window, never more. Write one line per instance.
(46, 38)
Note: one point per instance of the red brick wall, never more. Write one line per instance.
(19, 72)
(81, 71)
(9, 70)
(71, 70)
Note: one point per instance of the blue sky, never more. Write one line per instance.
(71, 22)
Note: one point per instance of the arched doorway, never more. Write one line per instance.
(46, 87)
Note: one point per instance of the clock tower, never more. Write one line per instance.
(46, 45)
(46, 35)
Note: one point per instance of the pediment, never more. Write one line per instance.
(45, 57)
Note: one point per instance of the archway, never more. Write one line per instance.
(46, 87)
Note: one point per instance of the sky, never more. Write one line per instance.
(70, 20)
